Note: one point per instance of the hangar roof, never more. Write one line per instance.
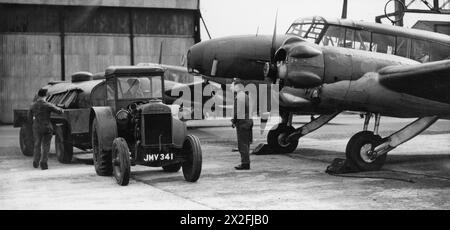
(171, 4)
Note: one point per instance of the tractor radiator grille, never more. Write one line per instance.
(157, 129)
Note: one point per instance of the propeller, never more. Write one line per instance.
(270, 70)
(296, 76)
(295, 73)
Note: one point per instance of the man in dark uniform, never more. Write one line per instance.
(244, 125)
(42, 128)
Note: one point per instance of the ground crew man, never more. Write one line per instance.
(39, 114)
(244, 124)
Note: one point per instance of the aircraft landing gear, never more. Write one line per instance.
(278, 138)
(360, 151)
(368, 151)
(284, 138)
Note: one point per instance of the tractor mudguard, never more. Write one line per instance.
(179, 132)
(107, 127)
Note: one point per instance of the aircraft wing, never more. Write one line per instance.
(428, 80)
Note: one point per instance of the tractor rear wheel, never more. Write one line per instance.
(63, 146)
(102, 159)
(26, 140)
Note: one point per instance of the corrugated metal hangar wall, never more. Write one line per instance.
(40, 43)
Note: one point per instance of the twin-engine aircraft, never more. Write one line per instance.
(328, 66)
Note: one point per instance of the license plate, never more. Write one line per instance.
(158, 157)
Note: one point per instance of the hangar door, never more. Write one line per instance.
(41, 43)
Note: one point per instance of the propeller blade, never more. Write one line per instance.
(270, 67)
(274, 37)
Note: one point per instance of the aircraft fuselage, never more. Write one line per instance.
(343, 78)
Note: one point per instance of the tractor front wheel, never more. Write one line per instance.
(192, 166)
(121, 161)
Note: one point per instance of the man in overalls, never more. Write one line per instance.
(39, 113)
(243, 123)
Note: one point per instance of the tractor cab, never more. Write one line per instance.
(127, 85)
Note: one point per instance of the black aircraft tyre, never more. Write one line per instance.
(64, 149)
(172, 168)
(357, 148)
(276, 138)
(102, 159)
(121, 161)
(192, 166)
(26, 140)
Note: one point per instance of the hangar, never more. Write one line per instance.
(442, 27)
(47, 40)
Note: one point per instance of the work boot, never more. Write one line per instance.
(35, 164)
(243, 167)
(44, 165)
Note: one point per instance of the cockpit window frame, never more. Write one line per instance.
(305, 36)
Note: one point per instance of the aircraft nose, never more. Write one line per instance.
(241, 56)
(195, 58)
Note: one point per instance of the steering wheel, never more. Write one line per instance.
(135, 104)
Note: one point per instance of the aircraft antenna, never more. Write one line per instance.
(204, 24)
(344, 10)
(160, 52)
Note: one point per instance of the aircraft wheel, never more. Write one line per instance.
(121, 161)
(26, 140)
(277, 139)
(172, 168)
(102, 159)
(359, 149)
(192, 166)
(63, 147)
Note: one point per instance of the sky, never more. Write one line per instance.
(238, 17)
